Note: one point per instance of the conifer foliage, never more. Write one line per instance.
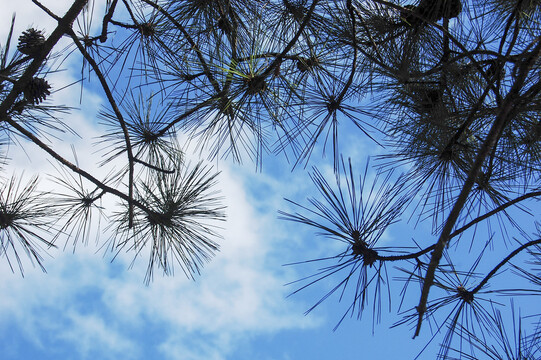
(447, 90)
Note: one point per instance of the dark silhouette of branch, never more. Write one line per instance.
(495, 211)
(506, 112)
(64, 25)
(119, 116)
(72, 166)
(106, 19)
(192, 43)
(503, 262)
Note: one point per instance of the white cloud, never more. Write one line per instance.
(92, 336)
(239, 294)
(29, 14)
(179, 347)
(95, 306)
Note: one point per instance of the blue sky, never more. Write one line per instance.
(89, 307)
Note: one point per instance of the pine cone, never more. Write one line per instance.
(407, 15)
(430, 98)
(304, 64)
(435, 10)
(451, 9)
(30, 41)
(37, 90)
(495, 70)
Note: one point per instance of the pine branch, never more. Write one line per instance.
(112, 102)
(506, 113)
(72, 166)
(494, 212)
(64, 25)
(203, 62)
(503, 262)
(106, 19)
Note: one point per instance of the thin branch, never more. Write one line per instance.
(188, 113)
(128, 8)
(354, 45)
(40, 57)
(406, 256)
(495, 211)
(72, 166)
(193, 44)
(454, 40)
(106, 19)
(507, 111)
(118, 115)
(502, 263)
(153, 167)
(44, 8)
(291, 43)
(471, 117)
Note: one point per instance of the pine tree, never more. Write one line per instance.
(447, 90)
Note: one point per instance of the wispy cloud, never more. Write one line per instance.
(97, 309)
(86, 300)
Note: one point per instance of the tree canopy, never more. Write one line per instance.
(447, 91)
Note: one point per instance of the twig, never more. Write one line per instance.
(507, 111)
(119, 116)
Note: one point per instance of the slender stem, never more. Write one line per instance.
(153, 167)
(354, 45)
(44, 8)
(451, 38)
(406, 256)
(293, 41)
(106, 19)
(508, 108)
(193, 44)
(469, 120)
(188, 113)
(495, 211)
(128, 8)
(72, 166)
(118, 115)
(503, 262)
(64, 24)
(99, 196)
(123, 25)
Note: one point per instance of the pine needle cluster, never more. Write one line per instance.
(448, 91)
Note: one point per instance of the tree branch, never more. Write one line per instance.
(495, 211)
(40, 57)
(72, 166)
(193, 44)
(502, 263)
(119, 116)
(106, 19)
(506, 113)
(292, 42)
